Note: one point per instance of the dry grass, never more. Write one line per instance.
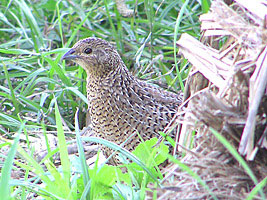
(226, 91)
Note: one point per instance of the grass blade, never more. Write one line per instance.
(14, 99)
(256, 189)
(35, 30)
(64, 157)
(177, 27)
(86, 178)
(6, 170)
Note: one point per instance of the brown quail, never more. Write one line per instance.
(119, 103)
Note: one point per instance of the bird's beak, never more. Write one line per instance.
(69, 55)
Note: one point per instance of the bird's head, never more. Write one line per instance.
(96, 56)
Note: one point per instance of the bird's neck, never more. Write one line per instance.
(96, 72)
(114, 78)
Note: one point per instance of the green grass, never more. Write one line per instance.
(38, 91)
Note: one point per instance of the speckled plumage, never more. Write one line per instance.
(119, 103)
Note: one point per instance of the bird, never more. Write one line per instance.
(120, 104)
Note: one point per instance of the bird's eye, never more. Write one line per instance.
(88, 50)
